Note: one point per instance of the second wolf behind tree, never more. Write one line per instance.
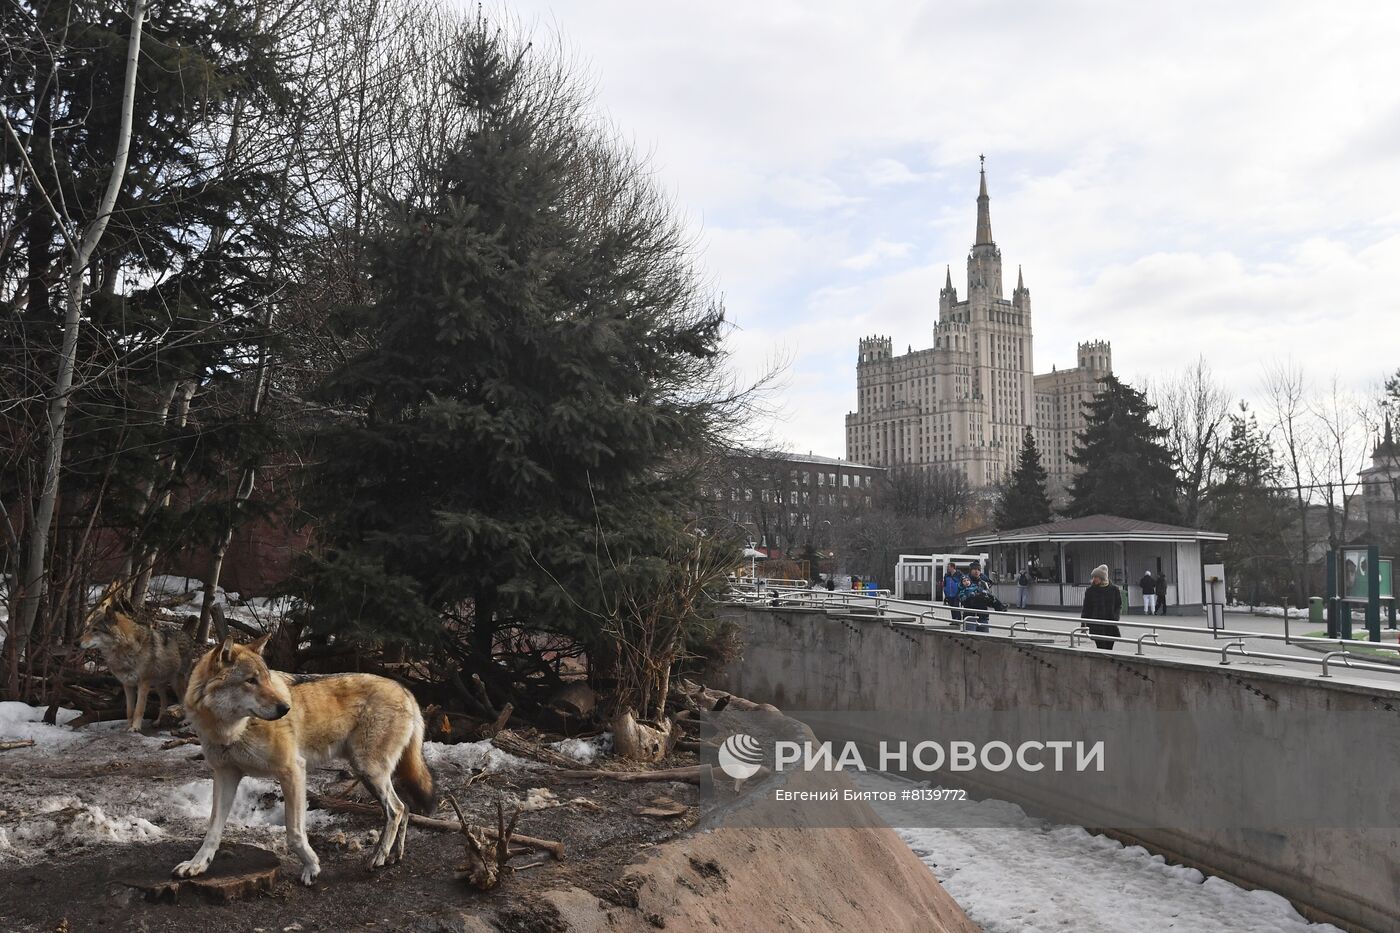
(140, 656)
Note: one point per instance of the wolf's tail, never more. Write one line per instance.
(411, 775)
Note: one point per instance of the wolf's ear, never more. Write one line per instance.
(226, 651)
(258, 646)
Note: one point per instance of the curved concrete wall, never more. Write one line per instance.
(805, 660)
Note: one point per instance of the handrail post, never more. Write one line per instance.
(1151, 635)
(1224, 652)
(1022, 623)
(1329, 656)
(1082, 630)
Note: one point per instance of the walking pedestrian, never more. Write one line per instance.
(1023, 588)
(1102, 606)
(830, 582)
(1161, 594)
(1149, 593)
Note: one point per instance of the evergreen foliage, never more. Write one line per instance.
(1025, 500)
(541, 378)
(1125, 466)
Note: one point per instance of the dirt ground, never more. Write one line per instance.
(77, 884)
(89, 816)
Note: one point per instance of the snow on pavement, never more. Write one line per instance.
(1012, 872)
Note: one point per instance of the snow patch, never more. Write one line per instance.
(585, 751)
(473, 756)
(58, 820)
(256, 806)
(1012, 872)
(22, 721)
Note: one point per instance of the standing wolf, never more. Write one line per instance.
(255, 721)
(140, 656)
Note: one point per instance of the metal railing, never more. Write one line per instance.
(923, 614)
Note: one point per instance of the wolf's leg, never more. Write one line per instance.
(395, 814)
(143, 690)
(162, 694)
(129, 694)
(225, 789)
(294, 814)
(402, 839)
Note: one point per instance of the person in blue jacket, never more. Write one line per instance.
(976, 593)
(952, 584)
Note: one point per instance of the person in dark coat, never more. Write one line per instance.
(1102, 605)
(1149, 593)
(1161, 594)
(976, 594)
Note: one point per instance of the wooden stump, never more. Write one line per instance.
(238, 872)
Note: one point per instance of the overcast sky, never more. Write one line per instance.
(1178, 178)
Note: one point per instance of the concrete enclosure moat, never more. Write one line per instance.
(816, 665)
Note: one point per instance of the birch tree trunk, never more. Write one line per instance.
(146, 566)
(147, 495)
(245, 490)
(34, 579)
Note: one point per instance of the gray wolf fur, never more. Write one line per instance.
(255, 721)
(140, 656)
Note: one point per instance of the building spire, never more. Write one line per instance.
(984, 215)
(948, 282)
(1020, 280)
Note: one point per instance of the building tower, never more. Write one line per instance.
(965, 403)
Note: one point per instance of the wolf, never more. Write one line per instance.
(254, 721)
(140, 656)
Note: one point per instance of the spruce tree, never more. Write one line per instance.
(1024, 501)
(1125, 467)
(543, 365)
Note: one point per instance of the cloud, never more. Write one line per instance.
(885, 172)
(877, 253)
(809, 193)
(1177, 190)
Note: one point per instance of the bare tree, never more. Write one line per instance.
(1193, 407)
(1286, 390)
(1343, 427)
(81, 251)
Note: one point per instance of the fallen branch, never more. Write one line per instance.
(176, 743)
(694, 774)
(99, 715)
(508, 741)
(338, 805)
(5, 746)
(496, 727)
(487, 860)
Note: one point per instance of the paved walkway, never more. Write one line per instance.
(1239, 627)
(1184, 638)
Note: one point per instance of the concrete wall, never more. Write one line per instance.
(806, 660)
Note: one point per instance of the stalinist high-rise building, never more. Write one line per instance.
(965, 402)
